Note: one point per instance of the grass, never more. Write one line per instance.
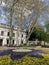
(45, 49)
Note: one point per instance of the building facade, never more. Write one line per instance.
(18, 37)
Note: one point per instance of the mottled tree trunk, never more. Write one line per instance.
(11, 30)
(11, 27)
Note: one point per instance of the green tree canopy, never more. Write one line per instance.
(38, 33)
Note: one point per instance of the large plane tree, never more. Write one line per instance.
(23, 13)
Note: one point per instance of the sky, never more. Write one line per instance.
(3, 18)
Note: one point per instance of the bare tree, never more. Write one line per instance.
(20, 10)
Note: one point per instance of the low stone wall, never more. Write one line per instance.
(38, 43)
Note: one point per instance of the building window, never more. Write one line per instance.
(13, 41)
(2, 32)
(22, 35)
(21, 41)
(8, 34)
(26, 36)
(7, 41)
(1, 41)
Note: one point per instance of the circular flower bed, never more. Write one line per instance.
(16, 55)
